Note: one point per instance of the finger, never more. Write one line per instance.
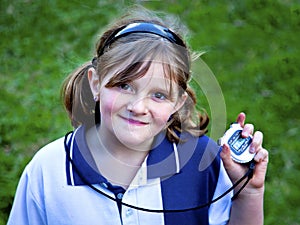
(261, 158)
(234, 170)
(247, 130)
(256, 142)
(262, 155)
(241, 119)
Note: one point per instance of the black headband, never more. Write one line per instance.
(142, 27)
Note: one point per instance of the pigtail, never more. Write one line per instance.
(78, 98)
(188, 118)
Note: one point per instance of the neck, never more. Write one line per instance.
(116, 162)
(128, 154)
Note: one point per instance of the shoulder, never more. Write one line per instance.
(202, 148)
(52, 150)
(49, 157)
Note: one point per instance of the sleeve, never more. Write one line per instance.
(26, 209)
(219, 212)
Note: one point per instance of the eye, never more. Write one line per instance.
(160, 96)
(126, 87)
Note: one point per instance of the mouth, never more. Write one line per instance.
(135, 121)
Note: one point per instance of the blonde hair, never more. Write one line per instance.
(133, 54)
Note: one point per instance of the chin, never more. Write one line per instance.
(136, 143)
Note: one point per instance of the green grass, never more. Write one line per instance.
(252, 48)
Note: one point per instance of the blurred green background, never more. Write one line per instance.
(252, 47)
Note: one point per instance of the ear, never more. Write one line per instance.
(94, 82)
(180, 102)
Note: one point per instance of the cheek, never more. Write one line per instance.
(107, 103)
(162, 115)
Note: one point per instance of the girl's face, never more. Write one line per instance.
(133, 113)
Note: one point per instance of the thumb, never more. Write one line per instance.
(226, 157)
(234, 170)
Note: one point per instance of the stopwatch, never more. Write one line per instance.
(239, 146)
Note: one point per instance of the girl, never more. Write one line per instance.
(134, 155)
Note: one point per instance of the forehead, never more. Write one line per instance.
(157, 75)
(156, 70)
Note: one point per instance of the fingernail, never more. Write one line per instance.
(252, 150)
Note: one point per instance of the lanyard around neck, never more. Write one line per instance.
(248, 175)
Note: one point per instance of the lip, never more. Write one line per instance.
(134, 121)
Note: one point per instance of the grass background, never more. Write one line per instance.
(252, 48)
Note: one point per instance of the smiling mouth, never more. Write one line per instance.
(135, 122)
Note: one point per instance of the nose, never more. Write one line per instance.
(138, 106)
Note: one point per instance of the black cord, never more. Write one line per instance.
(247, 175)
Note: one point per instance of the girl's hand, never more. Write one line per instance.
(236, 170)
